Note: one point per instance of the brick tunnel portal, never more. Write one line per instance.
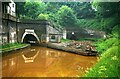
(30, 39)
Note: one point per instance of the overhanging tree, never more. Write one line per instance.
(33, 9)
(66, 17)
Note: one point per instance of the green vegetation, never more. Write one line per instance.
(66, 17)
(65, 40)
(11, 46)
(32, 9)
(106, 44)
(107, 66)
(43, 16)
(63, 14)
(108, 49)
(95, 15)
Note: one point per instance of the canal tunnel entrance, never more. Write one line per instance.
(30, 39)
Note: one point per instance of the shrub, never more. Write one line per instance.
(106, 44)
(107, 65)
(43, 17)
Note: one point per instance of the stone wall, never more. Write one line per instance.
(37, 27)
(13, 31)
(83, 33)
(54, 34)
(9, 34)
(42, 29)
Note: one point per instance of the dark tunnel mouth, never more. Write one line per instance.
(30, 39)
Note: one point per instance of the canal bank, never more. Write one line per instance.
(7, 49)
(81, 48)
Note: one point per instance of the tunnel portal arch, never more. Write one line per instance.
(30, 35)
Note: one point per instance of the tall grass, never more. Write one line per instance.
(11, 46)
(108, 64)
(65, 40)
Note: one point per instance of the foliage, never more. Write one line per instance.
(52, 7)
(89, 23)
(84, 10)
(66, 17)
(24, 17)
(107, 13)
(105, 9)
(20, 9)
(107, 65)
(116, 31)
(81, 14)
(108, 23)
(106, 44)
(11, 46)
(81, 10)
(107, 48)
(8, 45)
(112, 40)
(65, 40)
(96, 15)
(43, 16)
(104, 24)
(33, 9)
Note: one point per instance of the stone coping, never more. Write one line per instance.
(69, 49)
(13, 49)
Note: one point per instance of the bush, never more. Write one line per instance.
(25, 17)
(106, 44)
(89, 23)
(66, 16)
(10, 45)
(43, 17)
(112, 40)
(107, 65)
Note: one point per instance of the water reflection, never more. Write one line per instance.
(45, 62)
(28, 58)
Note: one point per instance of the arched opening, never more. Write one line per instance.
(53, 37)
(73, 37)
(30, 55)
(30, 39)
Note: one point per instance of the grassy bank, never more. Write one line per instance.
(108, 49)
(108, 64)
(12, 46)
(65, 40)
(104, 24)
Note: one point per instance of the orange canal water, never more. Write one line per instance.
(38, 61)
